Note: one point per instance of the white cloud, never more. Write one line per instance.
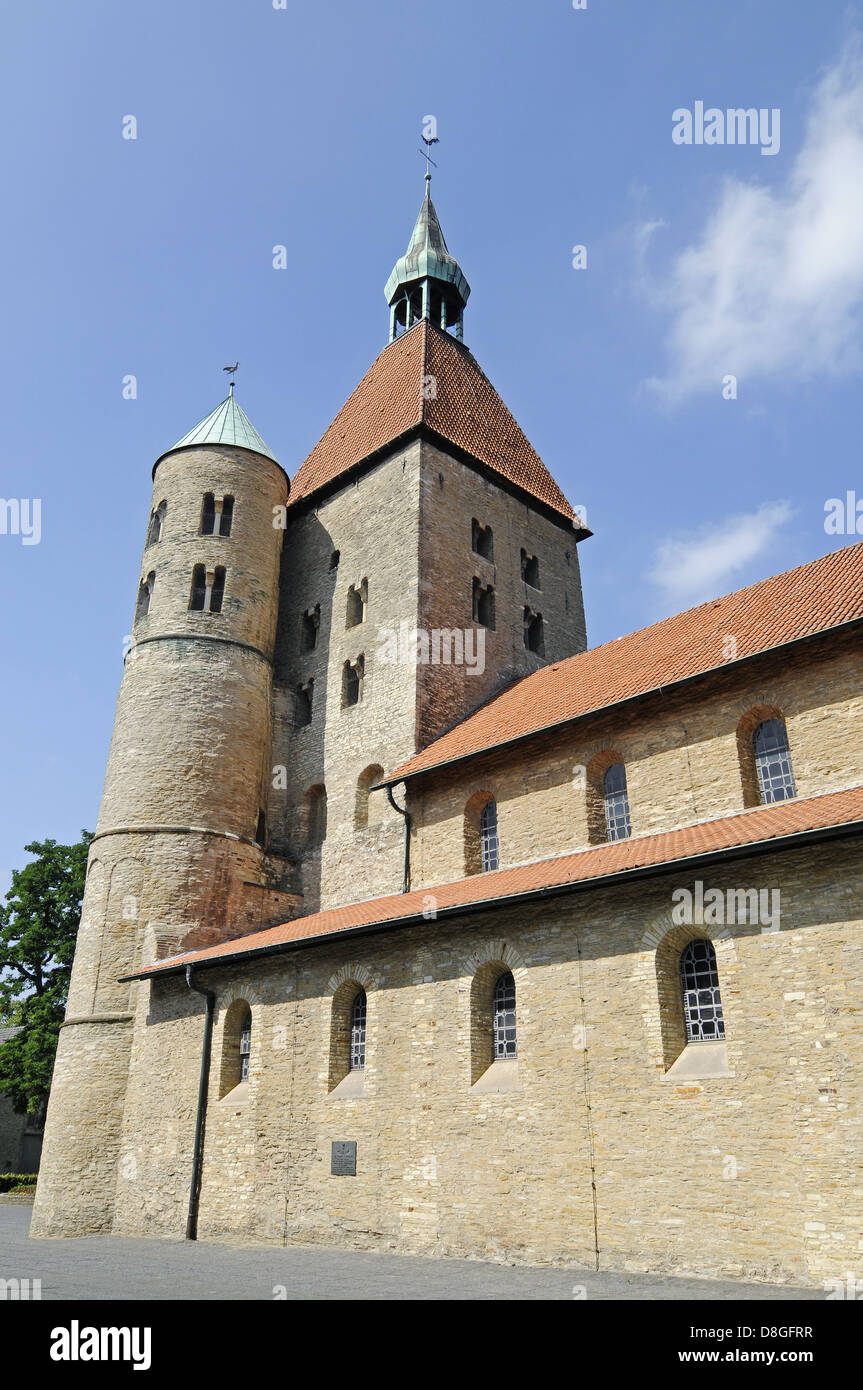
(693, 569)
(773, 285)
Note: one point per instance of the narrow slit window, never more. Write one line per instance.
(352, 682)
(358, 1032)
(311, 622)
(245, 1045)
(530, 569)
(534, 632)
(482, 540)
(145, 594)
(226, 520)
(483, 603)
(199, 589)
(208, 514)
(217, 592)
(303, 705)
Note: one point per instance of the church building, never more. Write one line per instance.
(412, 923)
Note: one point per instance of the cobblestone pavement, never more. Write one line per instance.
(108, 1267)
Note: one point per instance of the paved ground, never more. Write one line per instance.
(108, 1267)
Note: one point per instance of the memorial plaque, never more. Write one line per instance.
(344, 1158)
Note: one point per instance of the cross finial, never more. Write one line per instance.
(231, 371)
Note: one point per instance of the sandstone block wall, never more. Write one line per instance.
(755, 1175)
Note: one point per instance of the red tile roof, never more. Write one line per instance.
(798, 603)
(766, 825)
(464, 408)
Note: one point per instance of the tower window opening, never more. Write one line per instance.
(199, 589)
(217, 592)
(334, 559)
(303, 705)
(208, 515)
(530, 569)
(483, 603)
(702, 1004)
(226, 520)
(482, 540)
(157, 521)
(358, 595)
(616, 799)
(316, 815)
(261, 830)
(311, 623)
(534, 635)
(145, 594)
(353, 673)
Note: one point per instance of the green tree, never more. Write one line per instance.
(39, 920)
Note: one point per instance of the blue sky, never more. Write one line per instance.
(300, 126)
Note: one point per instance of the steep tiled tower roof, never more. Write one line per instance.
(425, 378)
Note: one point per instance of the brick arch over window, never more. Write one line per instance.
(597, 827)
(670, 944)
(237, 1020)
(472, 829)
(484, 968)
(746, 750)
(344, 987)
(369, 809)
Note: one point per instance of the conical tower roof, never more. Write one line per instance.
(227, 424)
(427, 256)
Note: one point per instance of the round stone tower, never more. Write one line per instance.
(179, 856)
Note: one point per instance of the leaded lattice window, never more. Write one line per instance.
(503, 1019)
(702, 1006)
(773, 761)
(488, 838)
(358, 1032)
(616, 800)
(245, 1045)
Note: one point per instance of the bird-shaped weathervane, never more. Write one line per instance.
(231, 371)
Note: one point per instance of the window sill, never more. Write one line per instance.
(500, 1076)
(700, 1061)
(238, 1095)
(354, 1084)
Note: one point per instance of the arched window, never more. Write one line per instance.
(303, 704)
(352, 681)
(699, 980)
(217, 593)
(227, 517)
(483, 603)
(316, 815)
(503, 1018)
(245, 1045)
(616, 801)
(488, 837)
(208, 514)
(157, 517)
(358, 596)
(368, 812)
(358, 1032)
(199, 589)
(773, 761)
(145, 594)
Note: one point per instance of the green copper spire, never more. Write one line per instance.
(427, 282)
(227, 424)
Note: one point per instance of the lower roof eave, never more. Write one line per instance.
(775, 844)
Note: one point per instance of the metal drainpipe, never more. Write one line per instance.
(201, 1117)
(403, 811)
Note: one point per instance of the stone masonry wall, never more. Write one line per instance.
(755, 1175)
(679, 750)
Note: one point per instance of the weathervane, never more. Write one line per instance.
(231, 371)
(428, 141)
